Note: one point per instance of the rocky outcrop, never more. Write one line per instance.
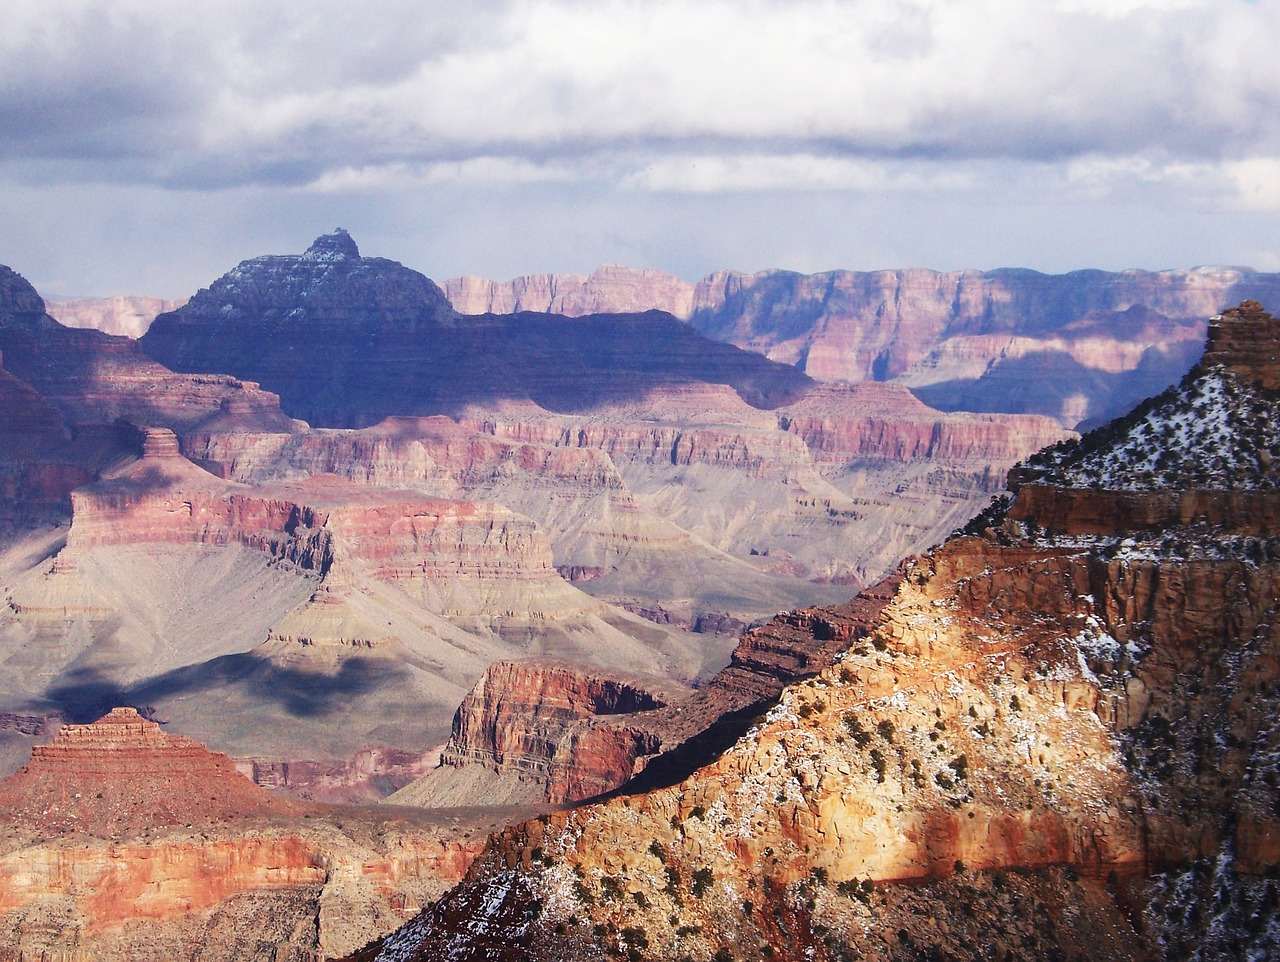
(164, 851)
(539, 732)
(348, 341)
(125, 315)
(399, 537)
(1038, 717)
(1246, 341)
(368, 776)
(871, 422)
(123, 774)
(533, 723)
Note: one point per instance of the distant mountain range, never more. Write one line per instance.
(1080, 347)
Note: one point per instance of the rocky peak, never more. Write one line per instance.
(333, 247)
(159, 443)
(1246, 341)
(1069, 719)
(1216, 430)
(347, 341)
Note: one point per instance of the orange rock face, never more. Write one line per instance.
(121, 842)
(533, 720)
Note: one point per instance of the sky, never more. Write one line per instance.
(147, 146)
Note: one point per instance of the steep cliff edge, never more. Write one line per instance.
(1061, 732)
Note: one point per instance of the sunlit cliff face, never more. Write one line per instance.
(1066, 716)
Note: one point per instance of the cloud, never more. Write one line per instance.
(754, 172)
(1257, 183)
(212, 95)
(148, 145)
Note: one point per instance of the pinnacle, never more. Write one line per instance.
(332, 247)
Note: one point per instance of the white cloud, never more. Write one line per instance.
(303, 94)
(803, 133)
(1257, 183)
(713, 174)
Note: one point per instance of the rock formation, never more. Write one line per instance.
(1060, 732)
(141, 776)
(348, 341)
(121, 842)
(536, 732)
(611, 289)
(1080, 347)
(349, 594)
(530, 724)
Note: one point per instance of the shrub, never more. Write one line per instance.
(702, 880)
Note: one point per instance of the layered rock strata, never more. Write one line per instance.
(123, 314)
(398, 537)
(94, 378)
(1080, 347)
(164, 851)
(538, 732)
(1063, 739)
(532, 723)
(142, 777)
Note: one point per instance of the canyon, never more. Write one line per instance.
(546, 545)
(703, 491)
(1056, 739)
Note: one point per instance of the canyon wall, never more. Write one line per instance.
(1061, 736)
(1080, 347)
(124, 314)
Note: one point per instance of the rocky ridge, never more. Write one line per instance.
(94, 378)
(1062, 737)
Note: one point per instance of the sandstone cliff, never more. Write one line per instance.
(525, 733)
(1061, 734)
(611, 289)
(123, 314)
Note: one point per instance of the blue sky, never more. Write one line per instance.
(147, 146)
